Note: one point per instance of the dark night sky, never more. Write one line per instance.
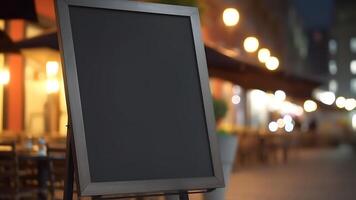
(316, 14)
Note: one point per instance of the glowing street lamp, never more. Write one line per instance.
(263, 55)
(272, 63)
(310, 106)
(251, 44)
(231, 17)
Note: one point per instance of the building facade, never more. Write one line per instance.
(342, 50)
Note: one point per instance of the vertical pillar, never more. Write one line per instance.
(14, 97)
(52, 114)
(217, 88)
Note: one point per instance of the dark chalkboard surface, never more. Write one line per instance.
(137, 88)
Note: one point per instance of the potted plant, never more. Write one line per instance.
(228, 147)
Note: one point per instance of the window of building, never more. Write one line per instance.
(2, 24)
(33, 30)
(333, 86)
(353, 67)
(353, 85)
(353, 44)
(332, 67)
(332, 46)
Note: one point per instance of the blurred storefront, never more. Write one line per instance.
(33, 100)
(259, 93)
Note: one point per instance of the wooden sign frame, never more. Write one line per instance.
(86, 187)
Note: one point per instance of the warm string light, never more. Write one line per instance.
(272, 63)
(231, 17)
(251, 44)
(263, 55)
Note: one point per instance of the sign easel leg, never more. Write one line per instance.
(183, 196)
(69, 179)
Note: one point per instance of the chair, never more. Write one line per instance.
(11, 182)
(57, 169)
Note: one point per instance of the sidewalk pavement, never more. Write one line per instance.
(313, 174)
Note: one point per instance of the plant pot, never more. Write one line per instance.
(228, 148)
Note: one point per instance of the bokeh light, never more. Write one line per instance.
(235, 99)
(310, 106)
(52, 68)
(289, 127)
(231, 17)
(280, 123)
(263, 55)
(340, 102)
(280, 95)
(251, 44)
(326, 97)
(287, 119)
(273, 126)
(353, 121)
(350, 104)
(272, 63)
(52, 86)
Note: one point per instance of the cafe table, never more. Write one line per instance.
(42, 164)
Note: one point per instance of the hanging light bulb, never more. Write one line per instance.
(272, 63)
(231, 17)
(263, 55)
(251, 44)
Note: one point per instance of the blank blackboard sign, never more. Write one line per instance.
(138, 97)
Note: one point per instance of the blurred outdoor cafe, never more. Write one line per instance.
(271, 110)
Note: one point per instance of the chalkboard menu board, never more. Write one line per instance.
(138, 96)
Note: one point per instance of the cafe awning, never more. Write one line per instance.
(250, 76)
(18, 9)
(222, 66)
(6, 44)
(46, 40)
